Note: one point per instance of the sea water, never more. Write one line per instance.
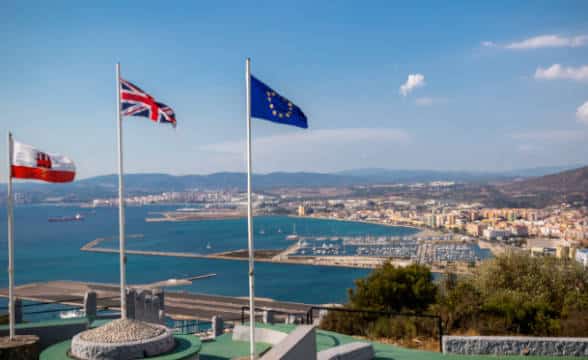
(47, 251)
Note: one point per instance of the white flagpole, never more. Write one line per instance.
(121, 202)
(10, 204)
(250, 215)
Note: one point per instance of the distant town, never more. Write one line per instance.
(454, 234)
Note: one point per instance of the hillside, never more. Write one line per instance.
(424, 175)
(567, 186)
(570, 181)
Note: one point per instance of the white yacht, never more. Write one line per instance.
(293, 236)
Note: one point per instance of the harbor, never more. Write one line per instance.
(437, 251)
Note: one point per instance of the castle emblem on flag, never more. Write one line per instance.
(43, 160)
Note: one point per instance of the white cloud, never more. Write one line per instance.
(556, 71)
(414, 81)
(553, 136)
(582, 113)
(488, 44)
(310, 138)
(547, 41)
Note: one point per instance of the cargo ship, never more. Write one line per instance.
(76, 217)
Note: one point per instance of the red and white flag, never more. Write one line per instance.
(31, 163)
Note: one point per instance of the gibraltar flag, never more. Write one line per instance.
(30, 163)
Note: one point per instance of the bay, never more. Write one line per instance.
(47, 251)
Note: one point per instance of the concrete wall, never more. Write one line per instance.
(515, 345)
(50, 332)
(299, 344)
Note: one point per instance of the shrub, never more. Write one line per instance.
(394, 289)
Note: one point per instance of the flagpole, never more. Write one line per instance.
(10, 204)
(121, 202)
(250, 215)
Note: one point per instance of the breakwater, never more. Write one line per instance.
(291, 255)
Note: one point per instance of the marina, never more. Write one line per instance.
(354, 251)
(426, 250)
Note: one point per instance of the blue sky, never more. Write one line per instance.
(496, 84)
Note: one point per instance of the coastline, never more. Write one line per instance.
(187, 217)
(420, 230)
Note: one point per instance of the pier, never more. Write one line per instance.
(261, 255)
(178, 305)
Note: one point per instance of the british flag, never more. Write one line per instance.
(136, 102)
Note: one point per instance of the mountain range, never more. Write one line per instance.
(566, 182)
(150, 183)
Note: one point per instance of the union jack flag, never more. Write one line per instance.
(136, 102)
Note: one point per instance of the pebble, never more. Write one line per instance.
(122, 330)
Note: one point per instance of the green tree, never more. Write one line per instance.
(458, 303)
(388, 288)
(391, 288)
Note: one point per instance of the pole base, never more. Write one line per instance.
(21, 347)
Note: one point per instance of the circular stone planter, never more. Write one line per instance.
(87, 349)
(187, 348)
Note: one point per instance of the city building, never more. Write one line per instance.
(492, 233)
(301, 210)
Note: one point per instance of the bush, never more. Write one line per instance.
(518, 294)
(512, 294)
(391, 289)
(394, 289)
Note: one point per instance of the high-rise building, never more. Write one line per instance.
(301, 210)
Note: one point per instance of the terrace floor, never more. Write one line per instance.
(225, 348)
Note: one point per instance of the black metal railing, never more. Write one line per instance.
(278, 314)
(190, 326)
(364, 317)
(56, 306)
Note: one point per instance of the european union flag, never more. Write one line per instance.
(269, 105)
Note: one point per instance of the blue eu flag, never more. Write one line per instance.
(269, 105)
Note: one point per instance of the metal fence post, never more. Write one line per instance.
(440, 324)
